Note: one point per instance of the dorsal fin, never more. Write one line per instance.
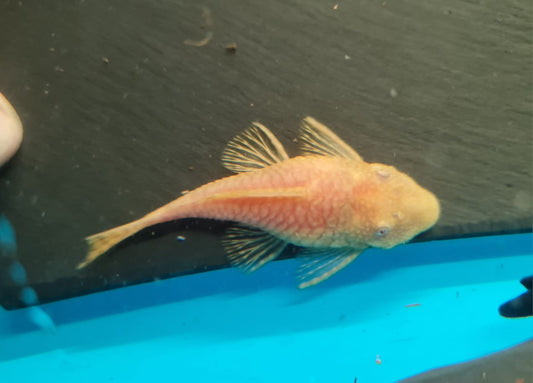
(317, 139)
(249, 248)
(253, 149)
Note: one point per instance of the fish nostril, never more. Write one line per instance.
(397, 215)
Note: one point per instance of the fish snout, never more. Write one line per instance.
(431, 211)
(420, 214)
(415, 215)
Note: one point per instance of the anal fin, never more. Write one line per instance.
(320, 264)
(250, 248)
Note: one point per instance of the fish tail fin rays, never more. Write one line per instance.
(102, 242)
(317, 139)
(320, 264)
(253, 149)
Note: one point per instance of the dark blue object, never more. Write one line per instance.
(521, 306)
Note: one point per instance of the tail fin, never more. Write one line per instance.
(102, 242)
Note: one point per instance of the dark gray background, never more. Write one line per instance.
(120, 115)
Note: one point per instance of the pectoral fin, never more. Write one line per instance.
(254, 149)
(317, 139)
(250, 248)
(320, 264)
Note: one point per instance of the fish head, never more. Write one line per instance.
(398, 208)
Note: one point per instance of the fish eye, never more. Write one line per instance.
(382, 231)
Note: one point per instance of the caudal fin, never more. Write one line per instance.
(102, 242)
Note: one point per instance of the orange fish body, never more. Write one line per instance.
(330, 202)
(302, 200)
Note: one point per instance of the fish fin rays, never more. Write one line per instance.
(320, 264)
(249, 248)
(100, 243)
(317, 139)
(253, 149)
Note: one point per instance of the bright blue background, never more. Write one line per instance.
(224, 326)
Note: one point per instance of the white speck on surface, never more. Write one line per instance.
(393, 92)
(180, 238)
(346, 57)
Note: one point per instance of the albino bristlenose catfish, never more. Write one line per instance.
(329, 201)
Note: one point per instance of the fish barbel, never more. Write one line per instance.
(328, 201)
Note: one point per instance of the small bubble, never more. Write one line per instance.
(17, 273)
